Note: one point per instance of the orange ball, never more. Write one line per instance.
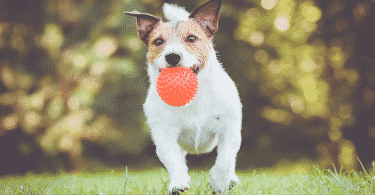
(177, 86)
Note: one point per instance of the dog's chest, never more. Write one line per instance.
(197, 138)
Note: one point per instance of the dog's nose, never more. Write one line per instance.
(172, 59)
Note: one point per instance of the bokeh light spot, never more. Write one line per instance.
(308, 65)
(256, 38)
(105, 47)
(79, 60)
(360, 11)
(281, 24)
(268, 4)
(352, 77)
(297, 106)
(32, 119)
(10, 122)
(347, 155)
(7, 76)
(37, 101)
(334, 135)
(311, 13)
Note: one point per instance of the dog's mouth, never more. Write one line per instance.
(195, 68)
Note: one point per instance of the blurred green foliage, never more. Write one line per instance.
(77, 73)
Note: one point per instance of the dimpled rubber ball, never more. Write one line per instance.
(177, 86)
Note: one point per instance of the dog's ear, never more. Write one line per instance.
(145, 24)
(207, 16)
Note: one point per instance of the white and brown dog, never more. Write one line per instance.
(214, 117)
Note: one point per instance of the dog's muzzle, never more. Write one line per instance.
(173, 59)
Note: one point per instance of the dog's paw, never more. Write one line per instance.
(232, 184)
(179, 185)
(220, 181)
(177, 191)
(233, 181)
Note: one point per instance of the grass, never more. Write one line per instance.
(156, 182)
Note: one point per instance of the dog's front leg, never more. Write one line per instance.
(172, 156)
(223, 172)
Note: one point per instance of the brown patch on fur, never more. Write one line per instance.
(207, 16)
(163, 31)
(178, 34)
(203, 24)
(202, 48)
(145, 24)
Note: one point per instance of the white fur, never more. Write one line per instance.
(177, 131)
(175, 13)
(187, 59)
(213, 118)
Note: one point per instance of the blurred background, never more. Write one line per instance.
(73, 81)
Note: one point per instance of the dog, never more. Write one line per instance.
(214, 117)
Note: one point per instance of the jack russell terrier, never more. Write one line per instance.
(214, 117)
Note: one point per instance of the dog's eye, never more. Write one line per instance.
(192, 38)
(158, 41)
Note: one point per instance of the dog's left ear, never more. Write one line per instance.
(207, 16)
(145, 24)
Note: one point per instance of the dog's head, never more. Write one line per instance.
(180, 44)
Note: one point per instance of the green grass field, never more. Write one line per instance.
(156, 182)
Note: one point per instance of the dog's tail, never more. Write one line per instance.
(175, 13)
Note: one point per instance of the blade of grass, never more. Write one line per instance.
(335, 176)
(334, 168)
(364, 170)
(126, 180)
(320, 173)
(341, 170)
